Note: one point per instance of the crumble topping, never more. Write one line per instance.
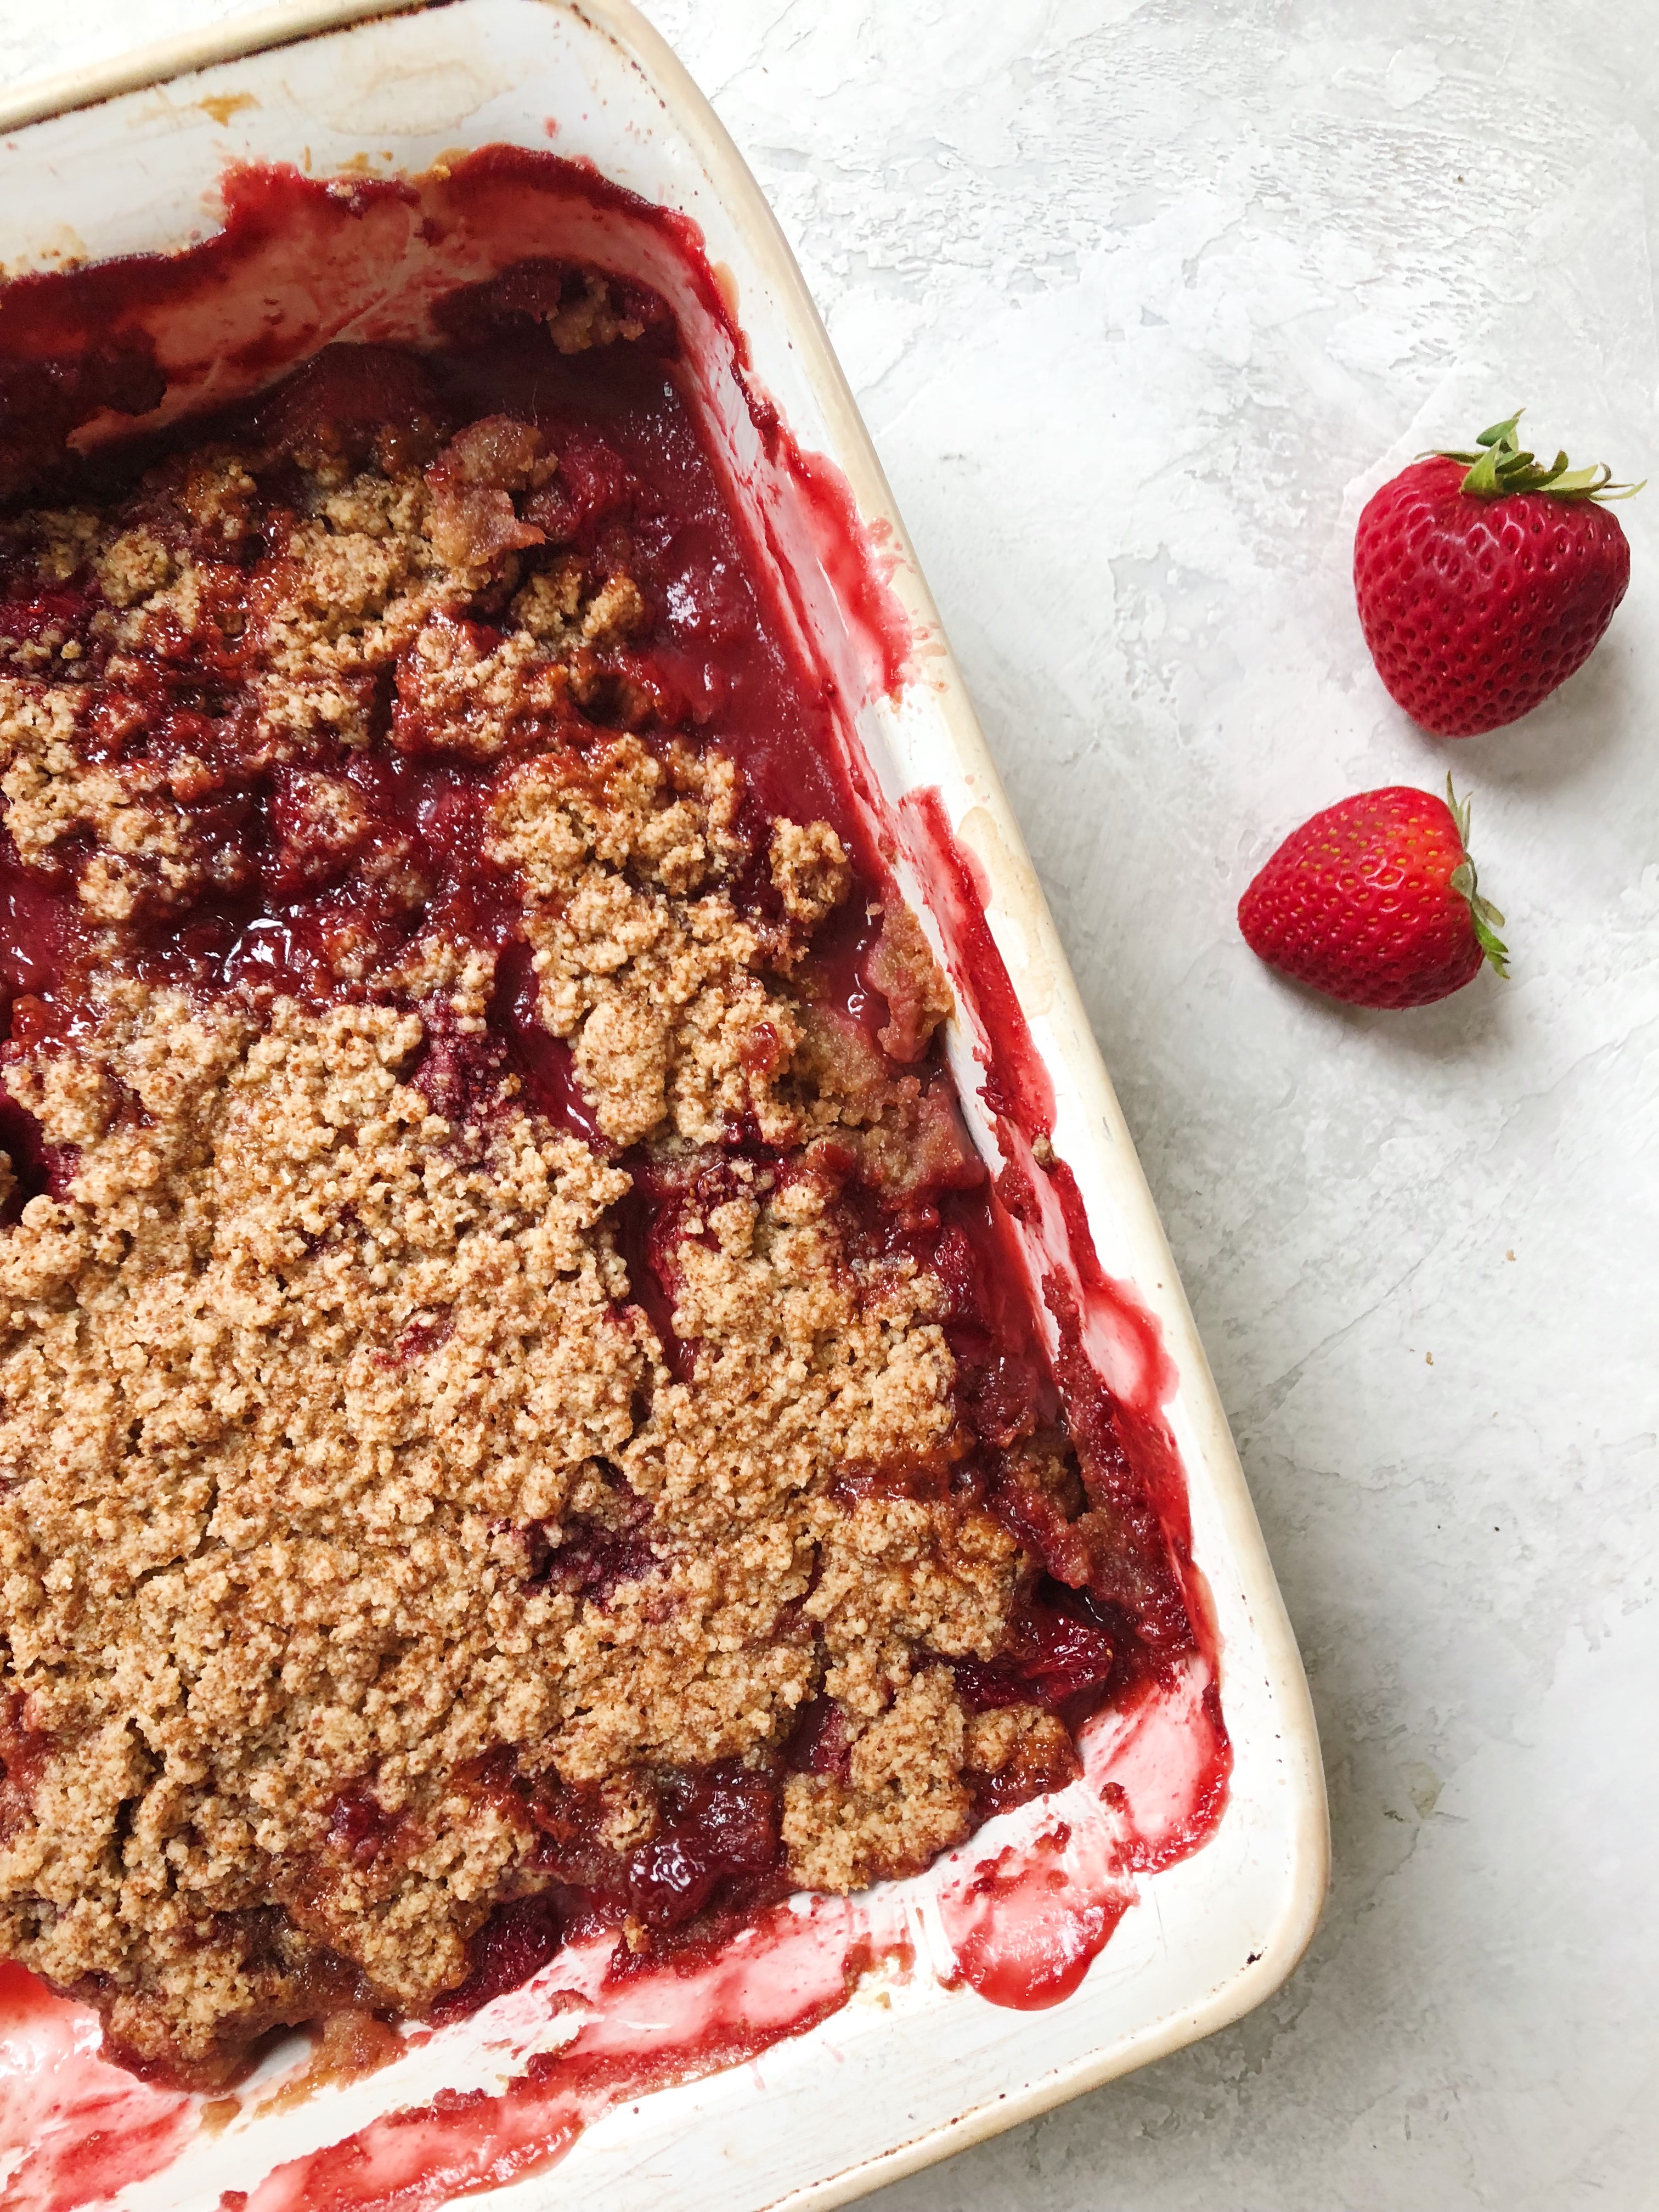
(491, 1407)
(661, 993)
(302, 1382)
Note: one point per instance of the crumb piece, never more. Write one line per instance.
(616, 612)
(662, 994)
(134, 566)
(902, 967)
(472, 519)
(1017, 1753)
(549, 605)
(594, 316)
(808, 867)
(903, 1801)
(457, 694)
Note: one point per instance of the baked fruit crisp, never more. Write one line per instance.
(520, 1414)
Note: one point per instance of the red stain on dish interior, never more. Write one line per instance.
(776, 1979)
(86, 2128)
(1162, 1770)
(271, 210)
(1018, 1087)
(1025, 1926)
(858, 569)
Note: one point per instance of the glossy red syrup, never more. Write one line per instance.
(1027, 1924)
(781, 624)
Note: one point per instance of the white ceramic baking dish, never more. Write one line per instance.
(129, 160)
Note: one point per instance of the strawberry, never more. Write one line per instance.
(1485, 579)
(1374, 900)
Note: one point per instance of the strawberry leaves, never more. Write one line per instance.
(1484, 916)
(1501, 464)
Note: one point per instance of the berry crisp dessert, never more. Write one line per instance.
(521, 1416)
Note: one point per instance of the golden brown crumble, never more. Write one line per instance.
(286, 1372)
(661, 994)
(323, 1378)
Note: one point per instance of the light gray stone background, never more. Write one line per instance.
(1141, 299)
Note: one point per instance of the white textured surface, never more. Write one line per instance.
(1141, 299)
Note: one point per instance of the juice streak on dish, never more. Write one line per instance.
(727, 669)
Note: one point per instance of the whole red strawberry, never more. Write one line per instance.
(1485, 579)
(1374, 900)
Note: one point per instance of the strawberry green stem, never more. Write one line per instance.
(1486, 917)
(1501, 464)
